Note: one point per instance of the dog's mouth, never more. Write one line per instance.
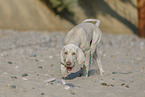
(69, 68)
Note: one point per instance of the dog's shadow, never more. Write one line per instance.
(80, 74)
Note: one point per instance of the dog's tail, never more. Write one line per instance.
(92, 20)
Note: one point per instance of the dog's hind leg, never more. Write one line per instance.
(94, 51)
(98, 60)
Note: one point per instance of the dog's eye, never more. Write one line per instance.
(73, 53)
(65, 53)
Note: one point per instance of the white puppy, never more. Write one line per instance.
(81, 46)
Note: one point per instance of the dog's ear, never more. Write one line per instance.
(62, 55)
(80, 56)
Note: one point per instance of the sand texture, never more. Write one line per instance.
(30, 67)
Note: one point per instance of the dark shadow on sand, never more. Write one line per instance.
(80, 74)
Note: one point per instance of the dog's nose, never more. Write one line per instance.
(68, 63)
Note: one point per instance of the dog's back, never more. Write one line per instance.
(81, 35)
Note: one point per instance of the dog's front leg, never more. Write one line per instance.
(86, 67)
(64, 71)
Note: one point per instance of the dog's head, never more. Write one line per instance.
(70, 54)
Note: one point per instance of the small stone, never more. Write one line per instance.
(13, 77)
(70, 84)
(72, 93)
(114, 72)
(50, 80)
(36, 60)
(50, 57)
(63, 82)
(127, 86)
(24, 78)
(113, 78)
(40, 67)
(13, 86)
(33, 55)
(122, 84)
(141, 43)
(24, 75)
(113, 56)
(42, 93)
(10, 62)
(67, 87)
(104, 84)
(16, 66)
(131, 43)
(58, 82)
(101, 81)
(33, 88)
(104, 55)
(95, 81)
(41, 60)
(5, 73)
(138, 59)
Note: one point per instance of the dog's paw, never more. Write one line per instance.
(64, 76)
(102, 72)
(84, 74)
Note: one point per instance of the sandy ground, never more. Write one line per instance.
(29, 59)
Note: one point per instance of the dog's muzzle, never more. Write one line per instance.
(68, 66)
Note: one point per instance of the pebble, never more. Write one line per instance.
(55, 82)
(95, 81)
(50, 80)
(42, 93)
(3, 54)
(40, 67)
(25, 74)
(122, 84)
(104, 55)
(139, 58)
(101, 81)
(24, 78)
(50, 57)
(10, 62)
(14, 77)
(131, 43)
(70, 85)
(58, 82)
(105, 84)
(5, 73)
(63, 82)
(114, 72)
(13, 86)
(113, 78)
(67, 87)
(16, 66)
(41, 60)
(127, 86)
(72, 93)
(33, 55)
(141, 43)
(50, 75)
